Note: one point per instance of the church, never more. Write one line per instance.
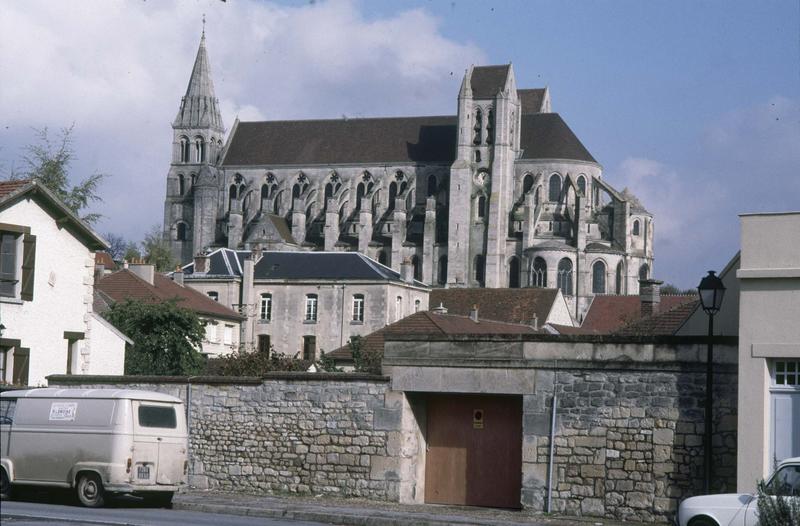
(501, 194)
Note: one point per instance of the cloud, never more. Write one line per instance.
(118, 70)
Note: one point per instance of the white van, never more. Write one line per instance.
(96, 441)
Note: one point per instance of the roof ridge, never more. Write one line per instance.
(348, 119)
(429, 315)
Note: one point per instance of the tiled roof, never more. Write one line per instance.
(101, 257)
(8, 187)
(531, 100)
(547, 136)
(344, 141)
(124, 284)
(506, 305)
(607, 314)
(430, 323)
(486, 81)
(664, 323)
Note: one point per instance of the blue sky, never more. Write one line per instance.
(693, 105)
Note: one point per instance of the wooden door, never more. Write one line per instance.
(474, 452)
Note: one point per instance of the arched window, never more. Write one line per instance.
(180, 234)
(644, 271)
(185, 149)
(359, 195)
(392, 196)
(620, 277)
(431, 185)
(477, 128)
(264, 195)
(490, 127)
(443, 270)
(311, 308)
(582, 185)
(527, 184)
(231, 196)
(539, 273)
(635, 227)
(565, 276)
(398, 307)
(555, 188)
(482, 206)
(480, 269)
(358, 308)
(417, 268)
(199, 150)
(513, 273)
(266, 307)
(599, 278)
(328, 195)
(382, 259)
(181, 184)
(417, 305)
(296, 189)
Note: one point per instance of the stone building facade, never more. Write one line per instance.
(501, 194)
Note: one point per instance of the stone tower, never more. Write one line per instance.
(190, 208)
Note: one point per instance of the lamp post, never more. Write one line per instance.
(711, 291)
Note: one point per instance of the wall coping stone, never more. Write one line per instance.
(564, 338)
(62, 379)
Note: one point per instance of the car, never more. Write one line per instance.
(739, 509)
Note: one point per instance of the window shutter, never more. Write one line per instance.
(28, 266)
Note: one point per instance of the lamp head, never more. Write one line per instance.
(711, 292)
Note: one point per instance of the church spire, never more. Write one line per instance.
(200, 106)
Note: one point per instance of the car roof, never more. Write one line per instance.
(126, 394)
(793, 460)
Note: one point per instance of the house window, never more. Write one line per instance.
(358, 308)
(21, 360)
(598, 278)
(227, 335)
(4, 351)
(309, 347)
(264, 343)
(416, 305)
(311, 308)
(565, 276)
(539, 273)
(636, 227)
(555, 188)
(787, 373)
(398, 307)
(211, 332)
(266, 307)
(213, 294)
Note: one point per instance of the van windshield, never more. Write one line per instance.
(157, 416)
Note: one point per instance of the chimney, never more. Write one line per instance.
(407, 270)
(143, 270)
(441, 309)
(649, 296)
(177, 276)
(99, 270)
(125, 264)
(473, 313)
(535, 322)
(201, 261)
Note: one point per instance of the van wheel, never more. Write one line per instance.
(90, 490)
(162, 499)
(5, 485)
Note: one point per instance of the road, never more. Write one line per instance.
(35, 512)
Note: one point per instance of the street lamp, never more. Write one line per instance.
(711, 292)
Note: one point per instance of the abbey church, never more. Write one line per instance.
(501, 194)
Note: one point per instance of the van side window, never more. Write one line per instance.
(7, 408)
(157, 416)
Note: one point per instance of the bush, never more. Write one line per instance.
(365, 361)
(254, 363)
(776, 509)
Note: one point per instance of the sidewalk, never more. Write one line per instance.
(370, 513)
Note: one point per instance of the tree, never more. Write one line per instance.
(365, 360)
(48, 162)
(166, 338)
(669, 288)
(156, 250)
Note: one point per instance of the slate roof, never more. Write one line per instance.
(503, 305)
(299, 265)
(344, 141)
(608, 314)
(124, 284)
(431, 323)
(486, 81)
(531, 100)
(547, 136)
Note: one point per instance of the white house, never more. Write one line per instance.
(46, 286)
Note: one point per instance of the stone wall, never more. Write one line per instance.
(291, 433)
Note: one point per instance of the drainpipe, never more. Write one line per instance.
(189, 422)
(549, 506)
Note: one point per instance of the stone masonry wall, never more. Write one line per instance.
(628, 444)
(291, 433)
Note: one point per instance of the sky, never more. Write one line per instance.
(693, 106)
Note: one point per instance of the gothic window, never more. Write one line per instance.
(565, 276)
(480, 269)
(358, 308)
(527, 184)
(382, 259)
(582, 185)
(231, 196)
(296, 189)
(539, 274)
(555, 188)
(181, 184)
(328, 195)
(417, 268)
(199, 150)
(537, 197)
(490, 127)
(482, 207)
(599, 278)
(477, 156)
(636, 227)
(185, 149)
(180, 233)
(477, 128)
(266, 307)
(403, 186)
(644, 271)
(359, 195)
(513, 273)
(431, 185)
(392, 196)
(620, 276)
(311, 308)
(264, 195)
(443, 270)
